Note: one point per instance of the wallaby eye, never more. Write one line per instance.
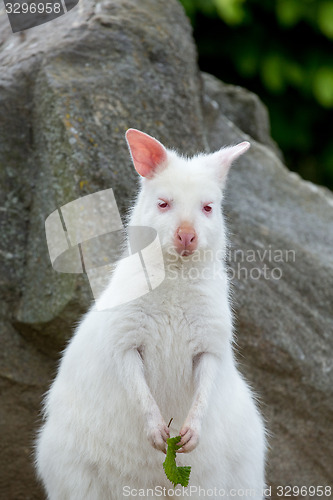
(208, 208)
(163, 205)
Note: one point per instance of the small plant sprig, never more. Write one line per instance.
(177, 475)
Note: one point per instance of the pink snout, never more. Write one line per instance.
(186, 239)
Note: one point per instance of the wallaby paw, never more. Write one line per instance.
(158, 435)
(190, 435)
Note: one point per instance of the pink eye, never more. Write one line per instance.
(163, 204)
(207, 208)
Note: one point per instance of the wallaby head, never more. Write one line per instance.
(181, 197)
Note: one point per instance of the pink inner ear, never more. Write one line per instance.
(147, 153)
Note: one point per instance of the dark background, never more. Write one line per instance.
(282, 50)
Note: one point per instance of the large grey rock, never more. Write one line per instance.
(68, 91)
(284, 314)
(115, 68)
(242, 107)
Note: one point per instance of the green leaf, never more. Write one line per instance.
(325, 18)
(289, 12)
(272, 73)
(323, 86)
(177, 475)
(231, 11)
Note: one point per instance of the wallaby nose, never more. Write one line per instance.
(185, 239)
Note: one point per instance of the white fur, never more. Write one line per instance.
(129, 369)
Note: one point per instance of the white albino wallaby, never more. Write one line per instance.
(168, 353)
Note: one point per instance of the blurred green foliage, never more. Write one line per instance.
(283, 51)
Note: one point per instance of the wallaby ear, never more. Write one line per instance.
(147, 153)
(225, 156)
